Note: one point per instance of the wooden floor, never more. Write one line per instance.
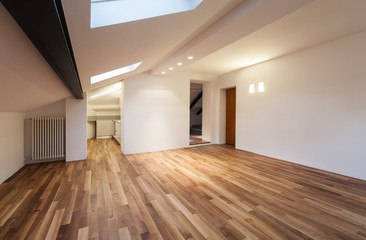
(208, 192)
(195, 138)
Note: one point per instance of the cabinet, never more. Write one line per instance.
(117, 130)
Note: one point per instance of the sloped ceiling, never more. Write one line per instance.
(222, 35)
(98, 50)
(26, 80)
(161, 41)
(316, 23)
(107, 98)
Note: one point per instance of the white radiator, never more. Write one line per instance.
(47, 138)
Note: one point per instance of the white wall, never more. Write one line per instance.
(208, 116)
(122, 107)
(156, 113)
(116, 112)
(103, 113)
(76, 133)
(91, 129)
(11, 144)
(56, 109)
(105, 128)
(91, 112)
(313, 110)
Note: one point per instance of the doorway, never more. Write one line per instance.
(196, 107)
(230, 115)
(104, 112)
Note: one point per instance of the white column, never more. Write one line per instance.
(76, 131)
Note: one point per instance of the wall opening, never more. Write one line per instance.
(104, 112)
(196, 109)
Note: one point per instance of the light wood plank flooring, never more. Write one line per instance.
(207, 192)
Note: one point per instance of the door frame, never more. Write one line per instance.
(206, 111)
(222, 115)
(231, 128)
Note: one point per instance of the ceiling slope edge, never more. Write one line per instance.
(44, 24)
(217, 17)
(244, 19)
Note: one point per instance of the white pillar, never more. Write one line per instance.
(76, 132)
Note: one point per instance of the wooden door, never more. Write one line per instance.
(230, 115)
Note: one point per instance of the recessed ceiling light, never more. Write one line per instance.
(163, 72)
(171, 68)
(114, 73)
(190, 57)
(179, 63)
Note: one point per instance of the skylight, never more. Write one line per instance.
(114, 73)
(108, 12)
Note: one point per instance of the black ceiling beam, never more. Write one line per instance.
(196, 100)
(44, 23)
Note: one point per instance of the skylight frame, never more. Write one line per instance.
(114, 73)
(109, 12)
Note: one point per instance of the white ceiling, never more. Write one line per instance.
(243, 20)
(26, 80)
(222, 35)
(105, 98)
(98, 50)
(161, 41)
(318, 22)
